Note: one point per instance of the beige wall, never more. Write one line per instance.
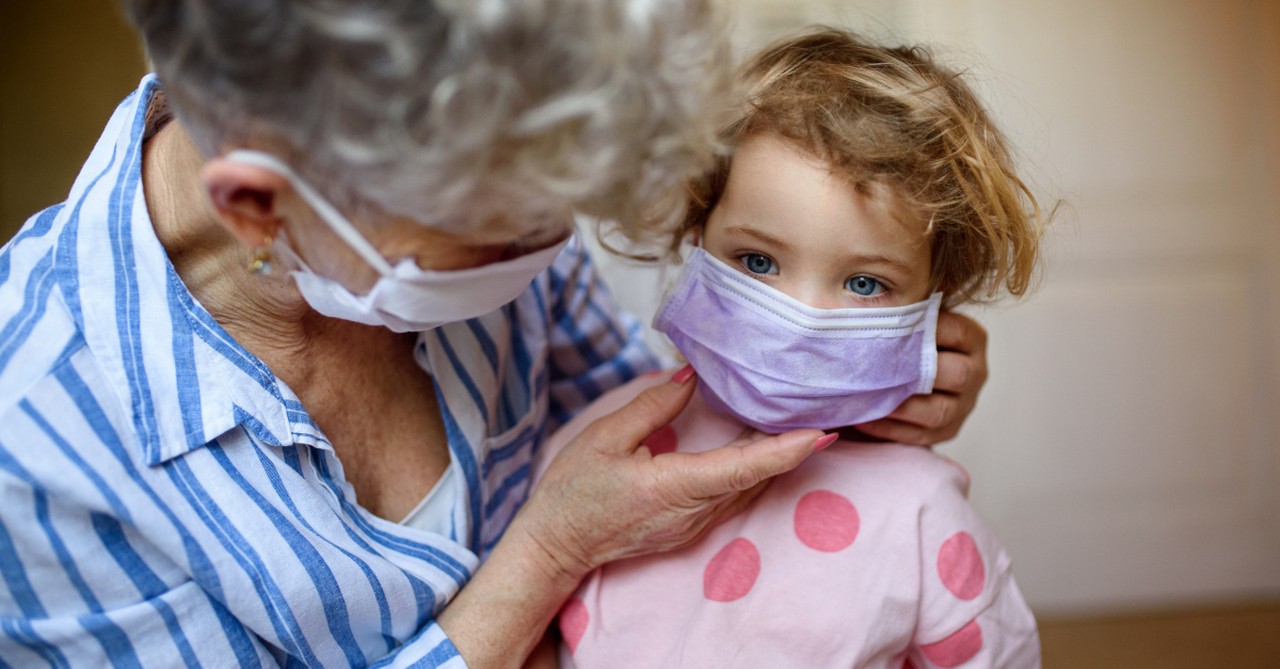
(64, 65)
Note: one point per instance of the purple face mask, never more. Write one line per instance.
(778, 364)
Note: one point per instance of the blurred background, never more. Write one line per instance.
(1127, 446)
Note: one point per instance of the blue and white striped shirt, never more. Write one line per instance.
(166, 500)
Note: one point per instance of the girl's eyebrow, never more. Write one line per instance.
(758, 234)
(879, 259)
(852, 259)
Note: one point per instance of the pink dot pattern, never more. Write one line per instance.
(826, 521)
(960, 566)
(957, 648)
(573, 622)
(732, 572)
(663, 440)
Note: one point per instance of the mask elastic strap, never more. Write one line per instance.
(285, 249)
(331, 216)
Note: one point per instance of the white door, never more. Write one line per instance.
(1127, 447)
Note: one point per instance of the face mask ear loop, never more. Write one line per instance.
(335, 220)
(285, 251)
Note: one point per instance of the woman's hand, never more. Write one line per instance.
(962, 371)
(605, 497)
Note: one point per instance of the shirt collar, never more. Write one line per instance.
(180, 375)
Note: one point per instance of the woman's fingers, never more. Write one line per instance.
(958, 332)
(962, 371)
(738, 466)
(722, 508)
(624, 429)
(959, 374)
(890, 429)
(600, 502)
(929, 419)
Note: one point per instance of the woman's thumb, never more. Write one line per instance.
(624, 429)
(733, 468)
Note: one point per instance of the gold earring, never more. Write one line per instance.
(260, 261)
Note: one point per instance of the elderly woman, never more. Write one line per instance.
(272, 378)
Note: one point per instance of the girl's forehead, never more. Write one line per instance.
(781, 199)
(774, 172)
(761, 145)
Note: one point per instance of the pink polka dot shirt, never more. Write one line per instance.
(867, 555)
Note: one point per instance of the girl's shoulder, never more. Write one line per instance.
(916, 473)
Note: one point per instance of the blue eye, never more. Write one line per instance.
(757, 263)
(863, 285)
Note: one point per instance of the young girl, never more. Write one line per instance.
(867, 188)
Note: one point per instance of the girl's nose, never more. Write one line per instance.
(812, 293)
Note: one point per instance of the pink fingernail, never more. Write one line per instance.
(683, 375)
(824, 441)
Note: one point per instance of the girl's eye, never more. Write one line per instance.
(757, 263)
(863, 285)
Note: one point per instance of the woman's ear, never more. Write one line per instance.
(247, 198)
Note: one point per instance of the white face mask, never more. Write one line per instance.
(406, 298)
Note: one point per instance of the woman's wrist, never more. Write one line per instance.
(503, 612)
(545, 540)
(545, 552)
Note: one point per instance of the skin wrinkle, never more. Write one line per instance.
(326, 361)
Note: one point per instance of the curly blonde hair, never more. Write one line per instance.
(891, 120)
(455, 113)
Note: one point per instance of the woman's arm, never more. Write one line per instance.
(546, 655)
(602, 499)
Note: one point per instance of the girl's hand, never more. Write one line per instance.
(605, 497)
(962, 371)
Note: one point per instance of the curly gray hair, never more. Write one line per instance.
(456, 113)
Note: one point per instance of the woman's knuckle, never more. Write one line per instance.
(741, 476)
(979, 374)
(964, 374)
(595, 435)
(979, 335)
(648, 402)
(943, 412)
